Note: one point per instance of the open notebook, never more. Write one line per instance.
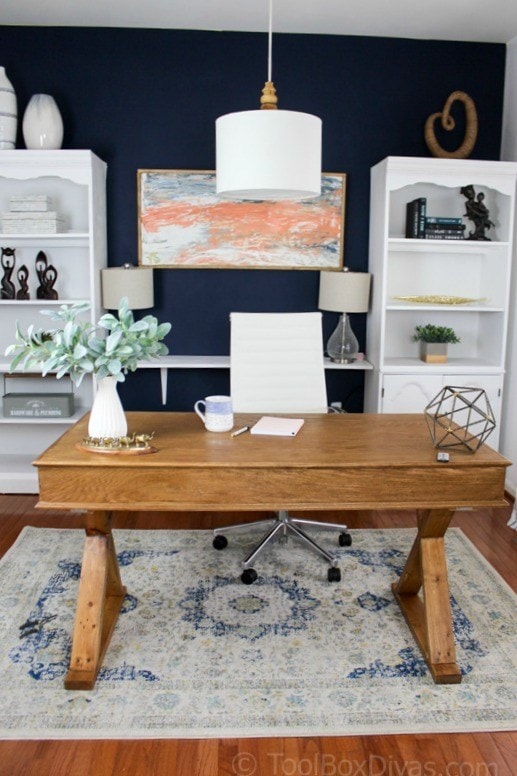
(277, 426)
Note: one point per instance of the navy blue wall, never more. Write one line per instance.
(149, 99)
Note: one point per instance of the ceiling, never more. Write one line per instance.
(488, 21)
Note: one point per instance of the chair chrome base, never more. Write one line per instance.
(282, 525)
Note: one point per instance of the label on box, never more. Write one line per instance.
(33, 405)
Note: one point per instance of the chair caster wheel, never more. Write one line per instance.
(220, 542)
(345, 540)
(334, 574)
(248, 576)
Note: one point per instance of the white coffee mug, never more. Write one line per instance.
(218, 414)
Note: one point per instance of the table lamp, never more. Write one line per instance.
(344, 292)
(135, 283)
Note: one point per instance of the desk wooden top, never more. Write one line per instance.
(336, 461)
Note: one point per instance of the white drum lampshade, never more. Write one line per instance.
(268, 154)
(135, 283)
(344, 292)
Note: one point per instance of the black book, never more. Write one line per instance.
(432, 227)
(444, 220)
(415, 217)
(437, 236)
(444, 231)
(412, 219)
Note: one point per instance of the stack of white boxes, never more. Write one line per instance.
(32, 215)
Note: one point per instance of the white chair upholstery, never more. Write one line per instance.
(277, 363)
(276, 366)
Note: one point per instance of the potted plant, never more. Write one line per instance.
(77, 349)
(433, 342)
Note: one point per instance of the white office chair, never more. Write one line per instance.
(276, 366)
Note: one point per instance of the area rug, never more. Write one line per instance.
(196, 653)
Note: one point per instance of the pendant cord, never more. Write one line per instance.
(270, 43)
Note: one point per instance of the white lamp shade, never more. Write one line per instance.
(268, 154)
(135, 283)
(344, 292)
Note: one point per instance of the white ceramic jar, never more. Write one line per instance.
(8, 113)
(42, 123)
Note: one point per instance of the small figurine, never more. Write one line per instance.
(8, 260)
(138, 442)
(50, 277)
(47, 276)
(23, 278)
(41, 266)
(477, 211)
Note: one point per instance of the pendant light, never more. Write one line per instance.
(268, 154)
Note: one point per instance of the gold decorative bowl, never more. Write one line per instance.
(437, 299)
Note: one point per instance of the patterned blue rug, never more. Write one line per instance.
(197, 654)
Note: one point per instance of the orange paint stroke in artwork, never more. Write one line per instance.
(234, 222)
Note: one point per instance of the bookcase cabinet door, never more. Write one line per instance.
(409, 393)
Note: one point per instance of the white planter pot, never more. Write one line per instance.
(433, 352)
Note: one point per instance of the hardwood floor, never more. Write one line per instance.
(469, 754)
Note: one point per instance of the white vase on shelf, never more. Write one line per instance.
(107, 417)
(8, 113)
(42, 123)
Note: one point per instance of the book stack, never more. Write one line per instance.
(421, 226)
(31, 215)
(444, 228)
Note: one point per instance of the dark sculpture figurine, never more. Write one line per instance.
(41, 266)
(8, 260)
(23, 278)
(47, 276)
(477, 211)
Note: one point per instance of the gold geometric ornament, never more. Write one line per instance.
(460, 417)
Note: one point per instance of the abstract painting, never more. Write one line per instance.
(183, 223)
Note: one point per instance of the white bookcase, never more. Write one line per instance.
(76, 183)
(473, 269)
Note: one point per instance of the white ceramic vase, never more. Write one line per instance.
(107, 418)
(8, 113)
(42, 123)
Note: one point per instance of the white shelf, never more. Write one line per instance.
(223, 362)
(450, 246)
(39, 302)
(469, 307)
(187, 362)
(59, 240)
(164, 363)
(453, 366)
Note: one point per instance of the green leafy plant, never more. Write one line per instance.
(77, 349)
(430, 333)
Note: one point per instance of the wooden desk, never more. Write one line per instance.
(335, 462)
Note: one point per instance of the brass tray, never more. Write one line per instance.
(438, 299)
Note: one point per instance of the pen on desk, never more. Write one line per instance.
(241, 431)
